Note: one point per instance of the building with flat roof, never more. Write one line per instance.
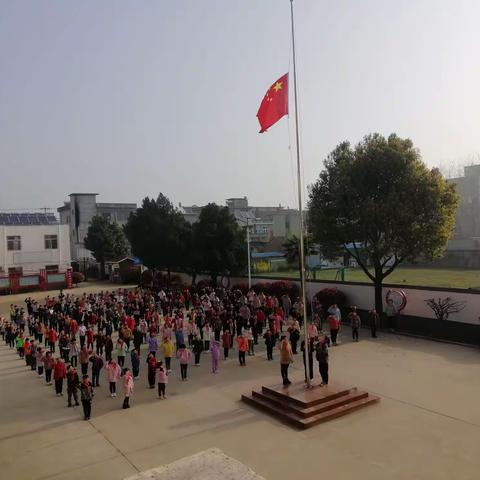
(266, 224)
(32, 242)
(463, 249)
(77, 214)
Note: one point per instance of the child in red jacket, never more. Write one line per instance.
(59, 373)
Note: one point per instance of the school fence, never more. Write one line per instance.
(16, 283)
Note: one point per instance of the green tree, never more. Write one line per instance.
(291, 248)
(219, 242)
(380, 199)
(105, 240)
(193, 261)
(158, 234)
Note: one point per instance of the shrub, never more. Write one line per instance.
(78, 277)
(130, 275)
(264, 287)
(242, 286)
(283, 287)
(92, 272)
(287, 287)
(159, 278)
(328, 296)
(147, 277)
(175, 279)
(206, 282)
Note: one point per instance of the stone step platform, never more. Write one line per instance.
(304, 408)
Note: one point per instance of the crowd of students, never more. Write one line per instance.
(101, 330)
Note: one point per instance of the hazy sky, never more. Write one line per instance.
(129, 98)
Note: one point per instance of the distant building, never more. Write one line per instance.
(266, 224)
(464, 248)
(31, 242)
(77, 214)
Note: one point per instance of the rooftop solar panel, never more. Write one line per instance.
(28, 219)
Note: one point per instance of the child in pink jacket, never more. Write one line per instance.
(162, 379)
(113, 374)
(215, 349)
(127, 386)
(184, 355)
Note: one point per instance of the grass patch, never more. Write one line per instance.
(425, 277)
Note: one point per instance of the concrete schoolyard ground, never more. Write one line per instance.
(426, 426)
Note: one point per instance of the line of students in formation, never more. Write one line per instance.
(102, 329)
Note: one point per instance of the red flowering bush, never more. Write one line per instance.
(329, 296)
(283, 287)
(264, 287)
(78, 277)
(242, 286)
(206, 282)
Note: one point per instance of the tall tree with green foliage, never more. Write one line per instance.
(158, 234)
(105, 240)
(291, 248)
(220, 242)
(380, 198)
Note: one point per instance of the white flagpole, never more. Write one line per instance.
(300, 208)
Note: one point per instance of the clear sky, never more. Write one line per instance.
(129, 98)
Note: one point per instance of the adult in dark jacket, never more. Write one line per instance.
(86, 391)
(311, 348)
(97, 365)
(322, 359)
(294, 338)
(135, 358)
(197, 349)
(270, 341)
(108, 348)
(73, 382)
(137, 340)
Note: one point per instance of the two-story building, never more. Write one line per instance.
(31, 242)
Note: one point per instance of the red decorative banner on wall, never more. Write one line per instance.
(69, 278)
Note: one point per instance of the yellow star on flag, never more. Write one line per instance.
(277, 86)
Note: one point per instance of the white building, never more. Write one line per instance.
(30, 242)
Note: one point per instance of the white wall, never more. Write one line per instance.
(33, 256)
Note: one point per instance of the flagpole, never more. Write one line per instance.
(300, 208)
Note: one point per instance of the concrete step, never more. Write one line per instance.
(339, 411)
(302, 421)
(297, 394)
(329, 404)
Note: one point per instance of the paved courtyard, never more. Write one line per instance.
(427, 425)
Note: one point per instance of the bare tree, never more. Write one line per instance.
(444, 307)
(455, 167)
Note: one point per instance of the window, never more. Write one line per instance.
(15, 271)
(51, 268)
(51, 242)
(14, 242)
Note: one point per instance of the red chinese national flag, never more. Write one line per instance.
(274, 104)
